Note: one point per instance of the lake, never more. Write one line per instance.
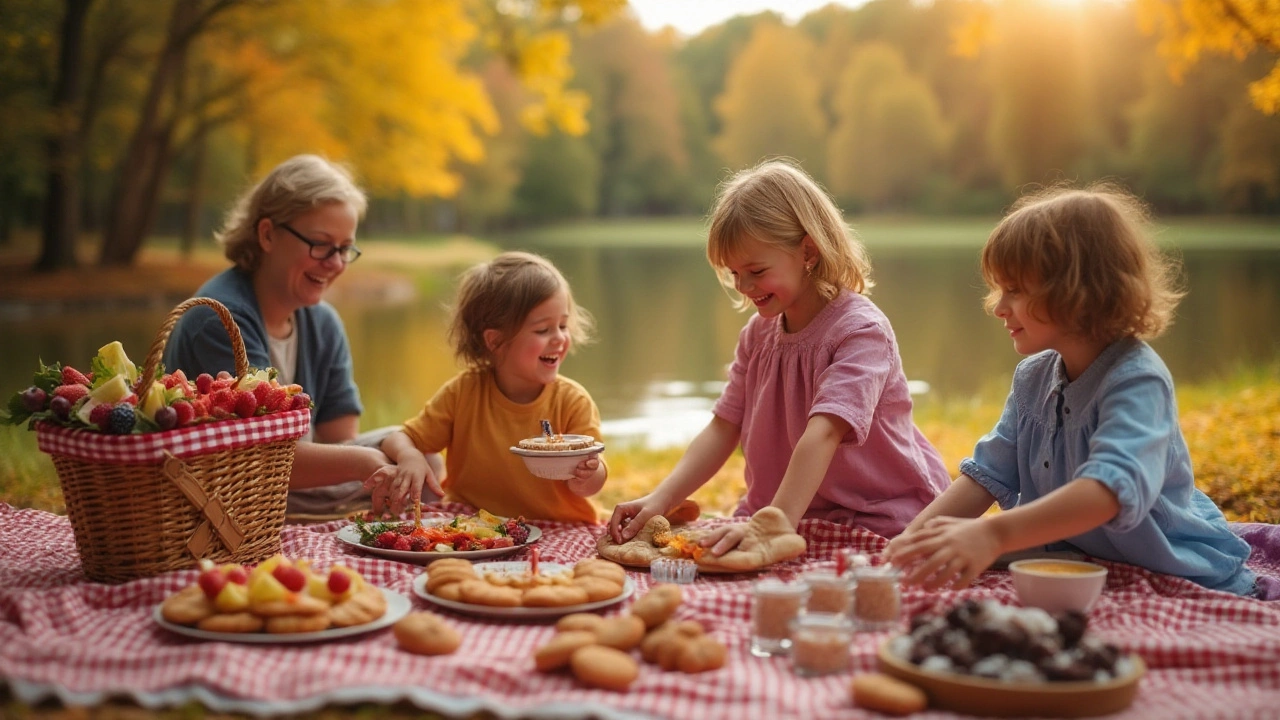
(666, 332)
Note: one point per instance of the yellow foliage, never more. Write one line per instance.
(968, 38)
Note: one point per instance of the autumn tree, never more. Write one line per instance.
(890, 136)
(771, 103)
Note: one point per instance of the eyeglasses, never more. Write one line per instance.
(324, 250)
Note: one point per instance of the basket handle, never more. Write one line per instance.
(162, 338)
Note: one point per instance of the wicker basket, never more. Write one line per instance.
(145, 504)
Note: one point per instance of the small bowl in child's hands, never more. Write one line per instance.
(555, 458)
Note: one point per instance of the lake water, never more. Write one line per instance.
(666, 332)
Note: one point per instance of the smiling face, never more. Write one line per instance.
(775, 281)
(530, 359)
(290, 277)
(1030, 331)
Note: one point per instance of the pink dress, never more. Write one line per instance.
(845, 363)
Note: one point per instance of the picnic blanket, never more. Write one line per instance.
(1210, 654)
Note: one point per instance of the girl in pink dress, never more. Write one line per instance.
(816, 397)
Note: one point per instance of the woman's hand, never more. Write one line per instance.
(629, 518)
(724, 538)
(946, 552)
(398, 485)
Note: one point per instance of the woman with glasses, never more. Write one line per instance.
(291, 236)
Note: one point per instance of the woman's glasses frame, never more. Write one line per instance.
(324, 250)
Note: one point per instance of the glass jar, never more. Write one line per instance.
(820, 643)
(775, 605)
(828, 592)
(680, 571)
(877, 597)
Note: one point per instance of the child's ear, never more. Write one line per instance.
(492, 339)
(809, 250)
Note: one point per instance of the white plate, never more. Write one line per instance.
(397, 607)
(420, 589)
(595, 448)
(351, 536)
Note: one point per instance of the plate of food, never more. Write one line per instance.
(1031, 663)
(279, 602)
(769, 540)
(473, 537)
(517, 590)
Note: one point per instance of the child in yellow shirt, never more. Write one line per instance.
(514, 321)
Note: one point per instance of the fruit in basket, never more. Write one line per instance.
(112, 391)
(33, 399)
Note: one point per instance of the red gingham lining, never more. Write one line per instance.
(1210, 654)
(148, 448)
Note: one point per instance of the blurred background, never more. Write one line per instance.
(596, 132)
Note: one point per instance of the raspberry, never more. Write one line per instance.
(402, 543)
(222, 403)
(99, 414)
(417, 543)
(174, 379)
(71, 392)
(222, 384)
(277, 399)
(185, 412)
(260, 391)
(517, 531)
(120, 421)
(300, 401)
(246, 404)
(204, 382)
(386, 540)
(72, 376)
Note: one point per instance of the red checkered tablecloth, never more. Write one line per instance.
(1209, 654)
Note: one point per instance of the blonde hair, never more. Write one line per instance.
(295, 186)
(776, 203)
(499, 295)
(1087, 260)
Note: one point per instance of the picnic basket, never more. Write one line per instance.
(144, 504)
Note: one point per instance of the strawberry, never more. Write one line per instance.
(260, 391)
(222, 384)
(185, 412)
(100, 414)
(72, 376)
(246, 404)
(222, 404)
(72, 392)
(204, 383)
(276, 399)
(300, 401)
(200, 408)
(174, 379)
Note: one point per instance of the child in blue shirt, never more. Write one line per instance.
(1088, 454)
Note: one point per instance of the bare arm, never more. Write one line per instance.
(706, 455)
(808, 466)
(965, 499)
(319, 464)
(953, 551)
(338, 430)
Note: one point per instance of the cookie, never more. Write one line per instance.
(881, 693)
(556, 653)
(701, 654)
(604, 667)
(598, 588)
(285, 624)
(295, 604)
(479, 592)
(554, 596)
(188, 606)
(365, 606)
(240, 622)
(448, 575)
(579, 621)
(598, 567)
(424, 633)
(623, 632)
(658, 605)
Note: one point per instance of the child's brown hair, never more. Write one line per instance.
(499, 295)
(1087, 260)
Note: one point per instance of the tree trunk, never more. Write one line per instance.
(195, 196)
(61, 226)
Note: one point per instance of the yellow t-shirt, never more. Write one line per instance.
(475, 425)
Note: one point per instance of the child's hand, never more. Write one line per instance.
(587, 468)
(398, 485)
(629, 518)
(724, 538)
(947, 551)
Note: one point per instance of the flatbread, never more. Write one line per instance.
(769, 540)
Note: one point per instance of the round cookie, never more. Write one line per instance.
(188, 606)
(298, 604)
(425, 633)
(285, 624)
(479, 592)
(554, 596)
(598, 588)
(240, 622)
(365, 606)
(604, 667)
(556, 653)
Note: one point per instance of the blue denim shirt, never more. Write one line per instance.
(1118, 424)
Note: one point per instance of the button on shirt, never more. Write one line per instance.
(1117, 424)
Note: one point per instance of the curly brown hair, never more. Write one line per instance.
(1087, 260)
(499, 295)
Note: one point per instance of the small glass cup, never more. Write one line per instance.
(820, 643)
(828, 592)
(877, 597)
(680, 571)
(776, 604)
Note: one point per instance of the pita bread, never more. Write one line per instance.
(769, 540)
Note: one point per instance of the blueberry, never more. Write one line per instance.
(120, 421)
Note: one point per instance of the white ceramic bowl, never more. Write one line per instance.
(555, 464)
(1058, 585)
